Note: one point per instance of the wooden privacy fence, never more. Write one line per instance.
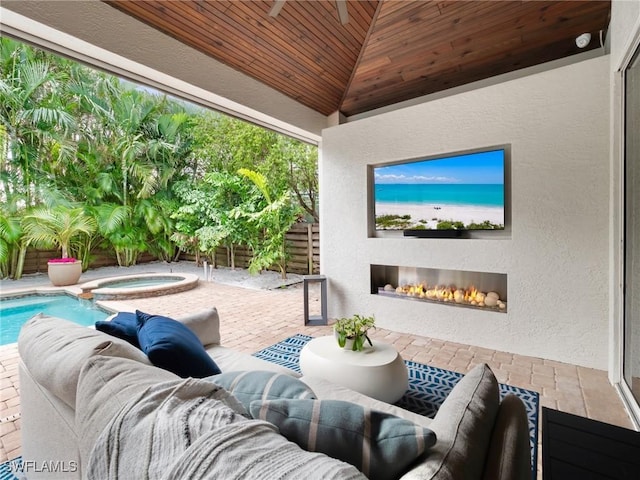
(35, 261)
(303, 248)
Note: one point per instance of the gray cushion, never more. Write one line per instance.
(326, 390)
(262, 385)
(104, 386)
(205, 324)
(54, 350)
(230, 360)
(463, 424)
(380, 445)
(509, 456)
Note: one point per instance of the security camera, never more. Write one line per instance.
(583, 40)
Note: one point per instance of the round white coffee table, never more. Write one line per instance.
(377, 371)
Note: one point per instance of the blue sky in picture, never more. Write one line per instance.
(474, 168)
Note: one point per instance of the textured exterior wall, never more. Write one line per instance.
(624, 20)
(556, 252)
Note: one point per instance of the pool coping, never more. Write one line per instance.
(47, 290)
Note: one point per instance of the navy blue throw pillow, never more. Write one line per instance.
(124, 325)
(171, 345)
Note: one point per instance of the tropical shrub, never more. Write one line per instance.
(59, 227)
(214, 212)
(271, 221)
(12, 250)
(70, 135)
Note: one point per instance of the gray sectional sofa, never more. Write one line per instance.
(93, 406)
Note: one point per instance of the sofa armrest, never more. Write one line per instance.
(47, 432)
(54, 349)
(205, 324)
(509, 456)
(463, 426)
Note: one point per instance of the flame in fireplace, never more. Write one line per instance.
(450, 293)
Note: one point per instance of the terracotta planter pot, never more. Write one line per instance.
(62, 274)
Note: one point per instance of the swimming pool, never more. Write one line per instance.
(15, 311)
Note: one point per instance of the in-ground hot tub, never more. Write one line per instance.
(139, 286)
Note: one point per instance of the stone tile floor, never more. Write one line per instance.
(253, 319)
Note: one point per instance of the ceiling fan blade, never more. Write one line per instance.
(277, 6)
(343, 14)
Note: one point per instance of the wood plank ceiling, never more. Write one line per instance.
(389, 51)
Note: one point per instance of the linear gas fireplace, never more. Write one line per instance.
(460, 288)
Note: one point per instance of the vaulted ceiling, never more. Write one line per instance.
(388, 51)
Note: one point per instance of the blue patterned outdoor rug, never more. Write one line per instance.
(428, 386)
(11, 470)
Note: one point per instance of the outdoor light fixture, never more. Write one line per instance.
(583, 40)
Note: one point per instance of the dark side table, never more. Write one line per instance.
(321, 319)
(578, 448)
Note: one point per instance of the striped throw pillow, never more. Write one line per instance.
(248, 386)
(380, 445)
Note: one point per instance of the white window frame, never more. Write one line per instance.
(618, 274)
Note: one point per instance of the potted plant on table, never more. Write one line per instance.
(59, 227)
(351, 332)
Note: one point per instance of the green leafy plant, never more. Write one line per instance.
(12, 250)
(59, 227)
(449, 225)
(271, 218)
(486, 225)
(354, 328)
(393, 222)
(214, 212)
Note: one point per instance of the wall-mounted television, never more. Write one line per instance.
(447, 195)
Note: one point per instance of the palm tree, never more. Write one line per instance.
(146, 144)
(115, 224)
(57, 227)
(12, 250)
(33, 116)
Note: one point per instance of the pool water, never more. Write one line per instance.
(14, 312)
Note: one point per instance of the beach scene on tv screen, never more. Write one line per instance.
(463, 192)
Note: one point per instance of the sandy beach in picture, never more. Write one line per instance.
(457, 213)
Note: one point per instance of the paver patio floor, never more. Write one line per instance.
(253, 319)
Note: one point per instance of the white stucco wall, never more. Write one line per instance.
(624, 22)
(556, 257)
